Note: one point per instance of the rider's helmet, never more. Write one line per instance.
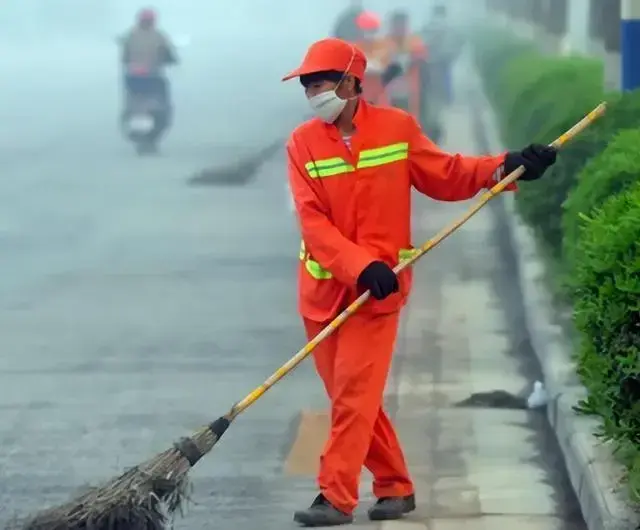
(146, 17)
(368, 21)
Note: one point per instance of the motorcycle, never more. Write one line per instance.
(147, 113)
(147, 110)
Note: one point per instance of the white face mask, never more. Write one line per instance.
(327, 105)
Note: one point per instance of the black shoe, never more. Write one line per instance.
(322, 513)
(391, 508)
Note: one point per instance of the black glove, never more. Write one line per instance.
(380, 279)
(535, 158)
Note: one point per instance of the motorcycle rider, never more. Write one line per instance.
(145, 53)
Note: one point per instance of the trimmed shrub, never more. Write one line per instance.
(539, 111)
(607, 315)
(612, 172)
(540, 94)
(587, 212)
(536, 100)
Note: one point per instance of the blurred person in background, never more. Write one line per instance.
(146, 51)
(375, 79)
(407, 52)
(346, 26)
(444, 45)
(368, 24)
(351, 171)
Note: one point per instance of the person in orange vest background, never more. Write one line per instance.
(373, 83)
(409, 52)
(351, 170)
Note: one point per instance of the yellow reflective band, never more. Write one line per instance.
(327, 162)
(407, 253)
(328, 167)
(313, 267)
(383, 155)
(316, 270)
(384, 150)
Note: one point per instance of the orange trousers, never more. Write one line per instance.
(354, 364)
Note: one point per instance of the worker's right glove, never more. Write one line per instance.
(536, 159)
(380, 279)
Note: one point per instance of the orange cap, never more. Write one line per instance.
(368, 21)
(331, 54)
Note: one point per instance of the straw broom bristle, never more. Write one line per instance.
(238, 174)
(145, 497)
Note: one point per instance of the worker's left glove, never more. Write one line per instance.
(380, 279)
(536, 159)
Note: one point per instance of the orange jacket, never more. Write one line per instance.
(355, 207)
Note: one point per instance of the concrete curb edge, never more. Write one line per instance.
(593, 472)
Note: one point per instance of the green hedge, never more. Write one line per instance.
(537, 100)
(614, 171)
(586, 213)
(607, 309)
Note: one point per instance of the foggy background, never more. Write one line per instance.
(61, 95)
(60, 67)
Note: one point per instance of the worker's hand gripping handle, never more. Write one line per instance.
(500, 187)
(446, 232)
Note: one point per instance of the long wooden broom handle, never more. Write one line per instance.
(437, 239)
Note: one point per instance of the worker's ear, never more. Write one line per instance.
(347, 88)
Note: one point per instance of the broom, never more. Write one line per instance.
(146, 496)
(238, 174)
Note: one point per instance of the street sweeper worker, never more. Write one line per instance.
(351, 170)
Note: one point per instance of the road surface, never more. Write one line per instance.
(134, 308)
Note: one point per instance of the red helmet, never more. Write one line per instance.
(368, 21)
(147, 15)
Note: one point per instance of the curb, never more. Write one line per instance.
(593, 472)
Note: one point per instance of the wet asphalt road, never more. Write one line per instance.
(134, 308)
